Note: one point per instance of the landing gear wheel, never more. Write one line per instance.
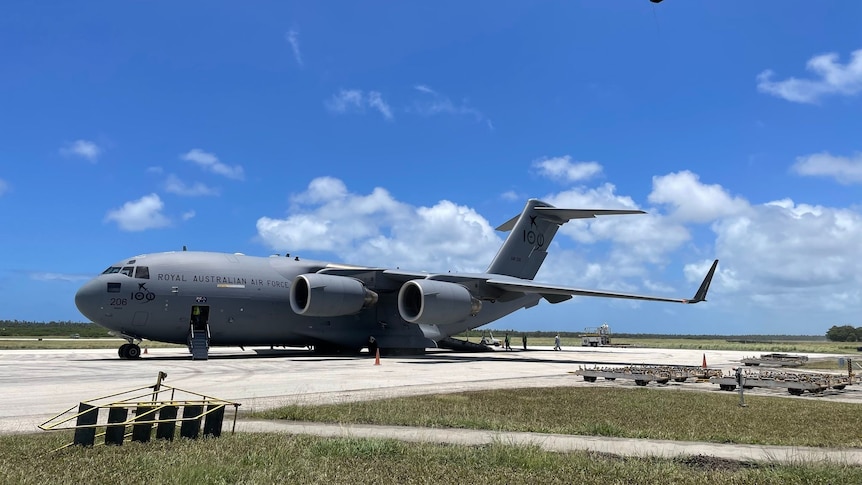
(129, 351)
(133, 352)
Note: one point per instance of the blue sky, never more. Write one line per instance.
(400, 134)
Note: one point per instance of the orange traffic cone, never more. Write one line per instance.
(377, 357)
(704, 361)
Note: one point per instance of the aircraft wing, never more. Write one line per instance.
(553, 293)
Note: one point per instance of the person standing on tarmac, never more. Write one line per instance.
(506, 340)
(557, 343)
(524, 340)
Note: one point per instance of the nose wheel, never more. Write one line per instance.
(129, 352)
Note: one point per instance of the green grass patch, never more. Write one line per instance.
(269, 458)
(54, 343)
(791, 346)
(812, 346)
(628, 413)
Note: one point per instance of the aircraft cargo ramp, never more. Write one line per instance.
(459, 345)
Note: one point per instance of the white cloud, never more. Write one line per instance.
(4, 186)
(693, 201)
(292, 38)
(345, 100)
(846, 170)
(376, 229)
(510, 195)
(139, 215)
(774, 256)
(82, 148)
(322, 190)
(375, 100)
(634, 240)
(174, 185)
(434, 103)
(833, 78)
(188, 215)
(563, 169)
(356, 101)
(797, 255)
(71, 278)
(209, 161)
(155, 170)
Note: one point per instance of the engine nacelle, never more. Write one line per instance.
(322, 295)
(436, 302)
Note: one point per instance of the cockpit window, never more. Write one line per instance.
(142, 272)
(112, 270)
(127, 270)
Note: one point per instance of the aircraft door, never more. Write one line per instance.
(200, 317)
(140, 318)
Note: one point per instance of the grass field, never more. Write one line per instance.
(32, 343)
(815, 346)
(265, 459)
(629, 413)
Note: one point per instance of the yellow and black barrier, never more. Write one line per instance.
(159, 406)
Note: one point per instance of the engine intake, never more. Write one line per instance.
(321, 295)
(436, 302)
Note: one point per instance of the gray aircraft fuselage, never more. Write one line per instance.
(248, 303)
(221, 299)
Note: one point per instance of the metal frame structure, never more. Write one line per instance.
(157, 405)
(643, 374)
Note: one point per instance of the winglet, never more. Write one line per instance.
(704, 287)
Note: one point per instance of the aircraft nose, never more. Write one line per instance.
(87, 299)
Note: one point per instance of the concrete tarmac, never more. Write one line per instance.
(38, 384)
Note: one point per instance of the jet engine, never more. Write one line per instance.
(322, 295)
(436, 302)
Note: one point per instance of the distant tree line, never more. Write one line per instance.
(844, 333)
(18, 328)
(732, 338)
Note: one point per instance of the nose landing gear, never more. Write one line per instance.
(129, 351)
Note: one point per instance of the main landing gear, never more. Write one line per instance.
(129, 351)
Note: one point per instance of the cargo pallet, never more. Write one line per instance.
(796, 383)
(644, 374)
(776, 360)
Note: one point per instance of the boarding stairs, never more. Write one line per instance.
(199, 343)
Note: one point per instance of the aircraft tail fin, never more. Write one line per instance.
(524, 251)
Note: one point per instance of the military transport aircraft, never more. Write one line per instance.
(205, 299)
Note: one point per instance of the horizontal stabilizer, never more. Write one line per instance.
(561, 216)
